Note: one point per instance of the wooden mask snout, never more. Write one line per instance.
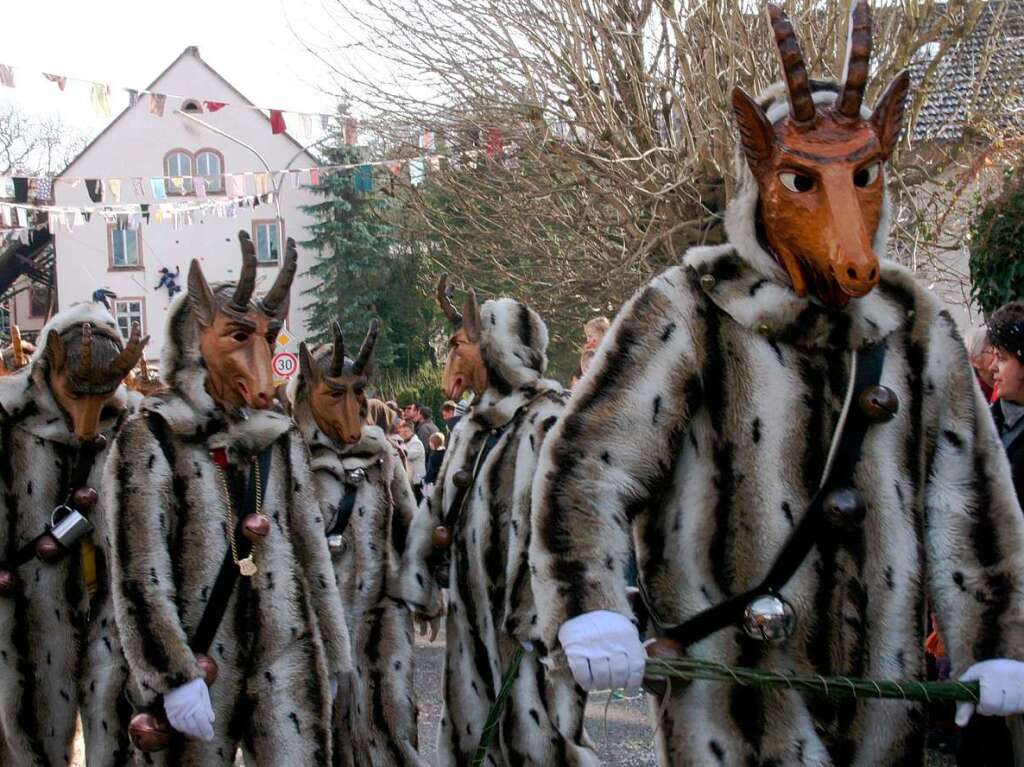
(464, 369)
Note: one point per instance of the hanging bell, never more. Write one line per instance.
(844, 508)
(878, 403)
(150, 732)
(84, 498)
(209, 667)
(442, 537)
(98, 443)
(7, 583)
(336, 543)
(462, 479)
(769, 618)
(256, 527)
(48, 550)
(355, 476)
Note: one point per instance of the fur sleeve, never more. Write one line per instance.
(311, 547)
(613, 451)
(974, 528)
(138, 486)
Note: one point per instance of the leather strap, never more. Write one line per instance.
(348, 504)
(811, 526)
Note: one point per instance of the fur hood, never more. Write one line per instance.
(514, 345)
(749, 284)
(29, 386)
(187, 407)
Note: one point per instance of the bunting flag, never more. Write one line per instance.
(494, 143)
(416, 172)
(351, 131)
(94, 187)
(277, 121)
(156, 104)
(100, 101)
(59, 79)
(114, 185)
(6, 76)
(133, 97)
(159, 188)
(199, 184)
(213, 106)
(364, 178)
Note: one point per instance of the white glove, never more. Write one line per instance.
(189, 711)
(604, 651)
(1002, 689)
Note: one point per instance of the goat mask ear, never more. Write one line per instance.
(307, 366)
(887, 119)
(200, 296)
(757, 137)
(471, 316)
(55, 351)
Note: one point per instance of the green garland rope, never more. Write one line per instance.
(691, 669)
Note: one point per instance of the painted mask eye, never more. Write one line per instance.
(796, 182)
(867, 176)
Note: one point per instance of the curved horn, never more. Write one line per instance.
(276, 300)
(366, 350)
(17, 348)
(798, 86)
(338, 354)
(858, 59)
(132, 352)
(247, 280)
(444, 299)
(85, 357)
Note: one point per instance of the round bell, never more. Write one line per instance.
(48, 550)
(98, 443)
(84, 498)
(209, 667)
(878, 403)
(769, 618)
(150, 732)
(355, 476)
(7, 583)
(844, 508)
(442, 537)
(256, 527)
(462, 479)
(336, 543)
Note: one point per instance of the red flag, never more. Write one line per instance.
(213, 106)
(351, 131)
(494, 142)
(277, 121)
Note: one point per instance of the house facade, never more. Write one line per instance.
(140, 144)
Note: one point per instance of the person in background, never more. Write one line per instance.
(595, 330)
(980, 353)
(415, 455)
(1006, 339)
(434, 459)
(448, 416)
(425, 426)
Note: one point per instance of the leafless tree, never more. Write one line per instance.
(35, 145)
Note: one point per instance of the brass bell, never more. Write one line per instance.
(878, 403)
(84, 498)
(462, 479)
(7, 583)
(150, 732)
(442, 537)
(48, 550)
(256, 527)
(769, 618)
(209, 667)
(336, 543)
(844, 508)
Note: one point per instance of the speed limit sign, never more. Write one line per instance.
(285, 364)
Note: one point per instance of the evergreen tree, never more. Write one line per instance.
(360, 271)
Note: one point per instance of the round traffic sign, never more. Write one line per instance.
(285, 364)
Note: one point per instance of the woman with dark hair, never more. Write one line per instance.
(1006, 336)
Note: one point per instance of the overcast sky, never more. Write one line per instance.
(128, 43)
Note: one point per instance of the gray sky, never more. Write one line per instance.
(128, 43)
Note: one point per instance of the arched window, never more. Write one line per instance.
(178, 163)
(210, 163)
(191, 105)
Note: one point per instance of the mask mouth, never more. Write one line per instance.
(458, 386)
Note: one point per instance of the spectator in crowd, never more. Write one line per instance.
(379, 414)
(1006, 337)
(425, 426)
(586, 359)
(409, 412)
(980, 353)
(393, 405)
(434, 459)
(594, 330)
(449, 417)
(415, 455)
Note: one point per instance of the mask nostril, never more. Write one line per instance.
(851, 273)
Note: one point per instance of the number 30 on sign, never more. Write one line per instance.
(285, 364)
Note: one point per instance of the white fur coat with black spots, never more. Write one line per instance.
(376, 721)
(491, 607)
(59, 649)
(283, 634)
(701, 432)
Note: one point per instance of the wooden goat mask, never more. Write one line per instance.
(237, 334)
(337, 395)
(819, 171)
(464, 368)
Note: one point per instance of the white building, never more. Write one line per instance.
(140, 144)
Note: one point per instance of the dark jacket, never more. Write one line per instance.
(434, 460)
(1015, 452)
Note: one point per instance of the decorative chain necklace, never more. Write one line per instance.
(246, 566)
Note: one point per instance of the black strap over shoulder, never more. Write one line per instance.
(811, 526)
(345, 509)
(454, 511)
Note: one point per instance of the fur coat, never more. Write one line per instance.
(376, 724)
(59, 649)
(702, 429)
(491, 608)
(283, 634)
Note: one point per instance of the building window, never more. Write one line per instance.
(267, 235)
(210, 163)
(125, 248)
(191, 105)
(5, 320)
(38, 301)
(178, 163)
(128, 311)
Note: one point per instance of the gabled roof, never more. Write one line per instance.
(192, 51)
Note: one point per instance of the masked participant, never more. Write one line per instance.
(368, 507)
(15, 356)
(220, 568)
(58, 646)
(472, 536)
(729, 374)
